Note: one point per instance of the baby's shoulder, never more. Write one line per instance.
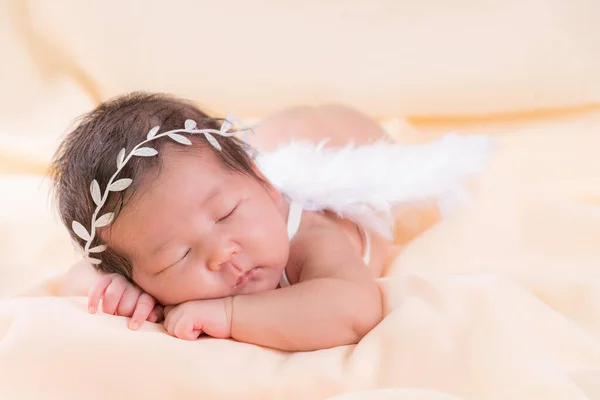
(315, 230)
(319, 238)
(316, 227)
(325, 239)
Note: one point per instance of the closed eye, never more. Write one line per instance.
(185, 255)
(175, 263)
(228, 215)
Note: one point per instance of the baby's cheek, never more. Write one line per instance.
(257, 229)
(171, 289)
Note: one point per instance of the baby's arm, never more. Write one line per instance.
(335, 302)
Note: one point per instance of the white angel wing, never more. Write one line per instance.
(364, 183)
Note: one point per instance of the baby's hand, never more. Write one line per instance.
(188, 320)
(121, 297)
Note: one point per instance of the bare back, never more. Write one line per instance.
(340, 125)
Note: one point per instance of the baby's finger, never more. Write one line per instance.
(156, 314)
(167, 310)
(128, 301)
(184, 329)
(172, 320)
(96, 292)
(112, 296)
(143, 308)
(170, 324)
(197, 333)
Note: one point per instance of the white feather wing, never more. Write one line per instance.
(364, 183)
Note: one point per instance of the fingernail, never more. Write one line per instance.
(91, 309)
(135, 325)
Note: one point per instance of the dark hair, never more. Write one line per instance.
(90, 152)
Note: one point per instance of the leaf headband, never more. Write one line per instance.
(141, 150)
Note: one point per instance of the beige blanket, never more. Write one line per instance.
(500, 301)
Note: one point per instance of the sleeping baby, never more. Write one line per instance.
(179, 224)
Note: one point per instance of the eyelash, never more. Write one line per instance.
(228, 215)
(176, 262)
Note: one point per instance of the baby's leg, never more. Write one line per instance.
(340, 124)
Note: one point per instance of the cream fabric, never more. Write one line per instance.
(500, 301)
(390, 57)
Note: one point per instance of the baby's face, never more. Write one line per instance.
(199, 231)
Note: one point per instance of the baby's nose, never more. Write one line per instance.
(221, 258)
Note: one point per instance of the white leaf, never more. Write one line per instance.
(120, 158)
(226, 126)
(180, 139)
(228, 134)
(145, 152)
(104, 220)
(190, 124)
(152, 132)
(98, 249)
(95, 190)
(93, 260)
(212, 141)
(119, 185)
(81, 231)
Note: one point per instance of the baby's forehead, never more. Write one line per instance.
(181, 168)
(175, 156)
